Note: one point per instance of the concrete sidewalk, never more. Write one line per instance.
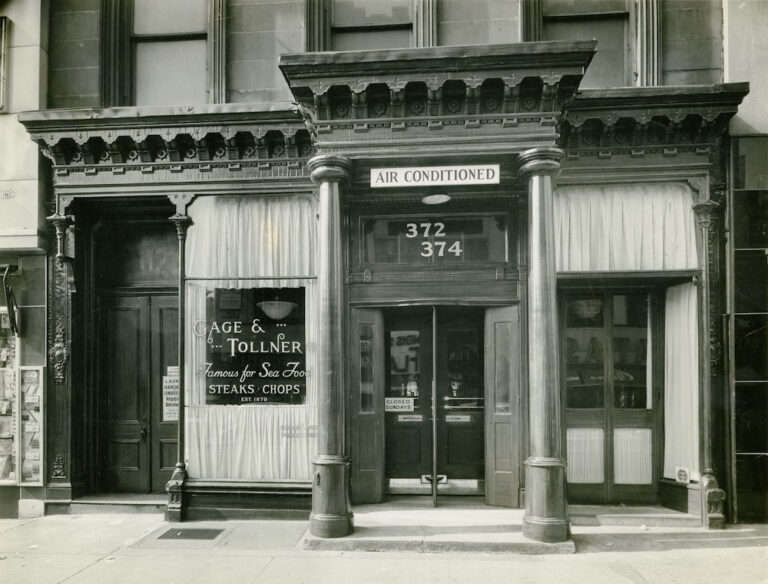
(123, 548)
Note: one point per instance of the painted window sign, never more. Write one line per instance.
(255, 349)
(446, 239)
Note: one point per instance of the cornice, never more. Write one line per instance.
(570, 56)
(643, 120)
(181, 143)
(358, 100)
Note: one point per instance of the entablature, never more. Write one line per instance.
(637, 122)
(502, 98)
(104, 148)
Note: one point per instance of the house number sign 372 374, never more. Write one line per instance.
(434, 239)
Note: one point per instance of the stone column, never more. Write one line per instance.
(174, 510)
(331, 512)
(545, 508)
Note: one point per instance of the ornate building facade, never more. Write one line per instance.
(304, 255)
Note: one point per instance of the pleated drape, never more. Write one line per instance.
(607, 228)
(681, 381)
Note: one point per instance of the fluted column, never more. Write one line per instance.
(545, 508)
(331, 512)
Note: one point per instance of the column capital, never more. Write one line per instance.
(705, 210)
(329, 168)
(545, 160)
(182, 223)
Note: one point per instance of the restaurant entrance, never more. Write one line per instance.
(435, 403)
(434, 400)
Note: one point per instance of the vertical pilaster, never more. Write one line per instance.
(545, 508)
(712, 496)
(331, 511)
(175, 486)
(58, 407)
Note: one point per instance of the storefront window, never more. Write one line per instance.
(251, 338)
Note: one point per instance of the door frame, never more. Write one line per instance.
(368, 480)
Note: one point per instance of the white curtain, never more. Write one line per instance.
(236, 240)
(681, 381)
(625, 227)
(586, 457)
(633, 456)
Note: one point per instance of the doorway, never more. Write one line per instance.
(139, 401)
(434, 400)
(612, 396)
(434, 403)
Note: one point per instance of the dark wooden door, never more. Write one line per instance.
(502, 406)
(366, 410)
(163, 360)
(138, 346)
(126, 392)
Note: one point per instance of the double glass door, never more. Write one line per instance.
(611, 398)
(434, 396)
(434, 400)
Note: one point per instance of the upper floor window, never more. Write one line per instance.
(626, 32)
(363, 24)
(169, 41)
(344, 25)
(163, 53)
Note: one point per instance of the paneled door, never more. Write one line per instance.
(138, 420)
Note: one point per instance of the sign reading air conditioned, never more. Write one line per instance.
(431, 176)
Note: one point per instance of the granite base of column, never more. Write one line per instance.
(545, 507)
(331, 511)
(713, 502)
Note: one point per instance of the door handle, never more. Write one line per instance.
(144, 433)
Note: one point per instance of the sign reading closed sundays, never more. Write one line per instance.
(429, 176)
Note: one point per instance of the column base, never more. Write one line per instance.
(546, 529)
(545, 508)
(174, 510)
(331, 511)
(713, 502)
(330, 526)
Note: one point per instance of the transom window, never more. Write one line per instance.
(434, 239)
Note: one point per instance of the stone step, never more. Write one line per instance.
(119, 504)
